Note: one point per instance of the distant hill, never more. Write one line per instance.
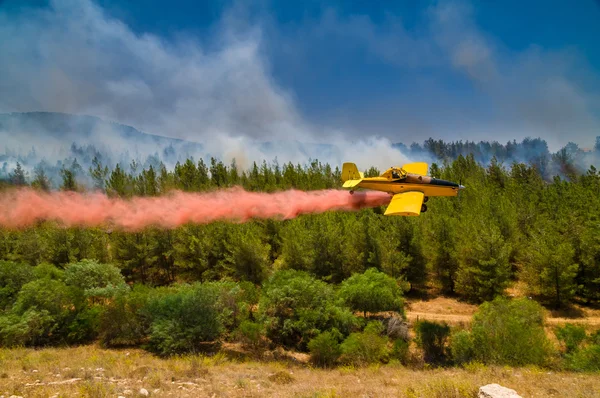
(80, 128)
(29, 129)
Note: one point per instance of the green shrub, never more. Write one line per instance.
(585, 359)
(250, 333)
(571, 336)
(12, 277)
(89, 274)
(295, 307)
(595, 337)
(234, 302)
(47, 299)
(32, 328)
(47, 311)
(183, 319)
(325, 348)
(122, 322)
(48, 271)
(85, 326)
(45, 294)
(372, 291)
(431, 337)
(400, 351)
(510, 332)
(366, 347)
(461, 347)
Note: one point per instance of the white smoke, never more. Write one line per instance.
(74, 58)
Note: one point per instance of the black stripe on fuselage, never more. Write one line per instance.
(434, 181)
(444, 183)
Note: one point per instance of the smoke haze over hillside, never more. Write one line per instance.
(223, 97)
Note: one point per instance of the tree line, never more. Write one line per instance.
(510, 224)
(568, 160)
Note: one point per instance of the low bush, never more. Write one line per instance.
(461, 347)
(510, 332)
(48, 271)
(594, 338)
(325, 348)
(31, 328)
(366, 347)
(84, 327)
(42, 315)
(234, 302)
(183, 319)
(295, 307)
(122, 323)
(250, 334)
(585, 359)
(431, 337)
(89, 274)
(12, 277)
(400, 351)
(571, 336)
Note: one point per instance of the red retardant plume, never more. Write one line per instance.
(24, 207)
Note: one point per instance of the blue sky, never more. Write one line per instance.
(401, 70)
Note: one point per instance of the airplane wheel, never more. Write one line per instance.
(425, 199)
(351, 192)
(423, 208)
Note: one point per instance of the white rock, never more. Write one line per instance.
(144, 392)
(120, 396)
(497, 391)
(15, 396)
(127, 392)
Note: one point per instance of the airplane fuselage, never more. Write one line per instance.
(428, 185)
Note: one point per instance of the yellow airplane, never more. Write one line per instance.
(410, 185)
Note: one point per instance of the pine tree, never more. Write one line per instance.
(98, 173)
(484, 270)
(68, 180)
(19, 176)
(118, 183)
(549, 268)
(41, 180)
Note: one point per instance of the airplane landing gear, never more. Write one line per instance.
(423, 208)
(425, 199)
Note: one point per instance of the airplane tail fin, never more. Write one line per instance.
(350, 172)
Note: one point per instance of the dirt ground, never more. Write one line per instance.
(94, 372)
(455, 312)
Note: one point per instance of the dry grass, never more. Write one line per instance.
(441, 305)
(94, 372)
(455, 312)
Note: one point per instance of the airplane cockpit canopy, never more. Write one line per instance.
(395, 173)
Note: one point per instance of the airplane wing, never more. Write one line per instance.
(405, 204)
(420, 168)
